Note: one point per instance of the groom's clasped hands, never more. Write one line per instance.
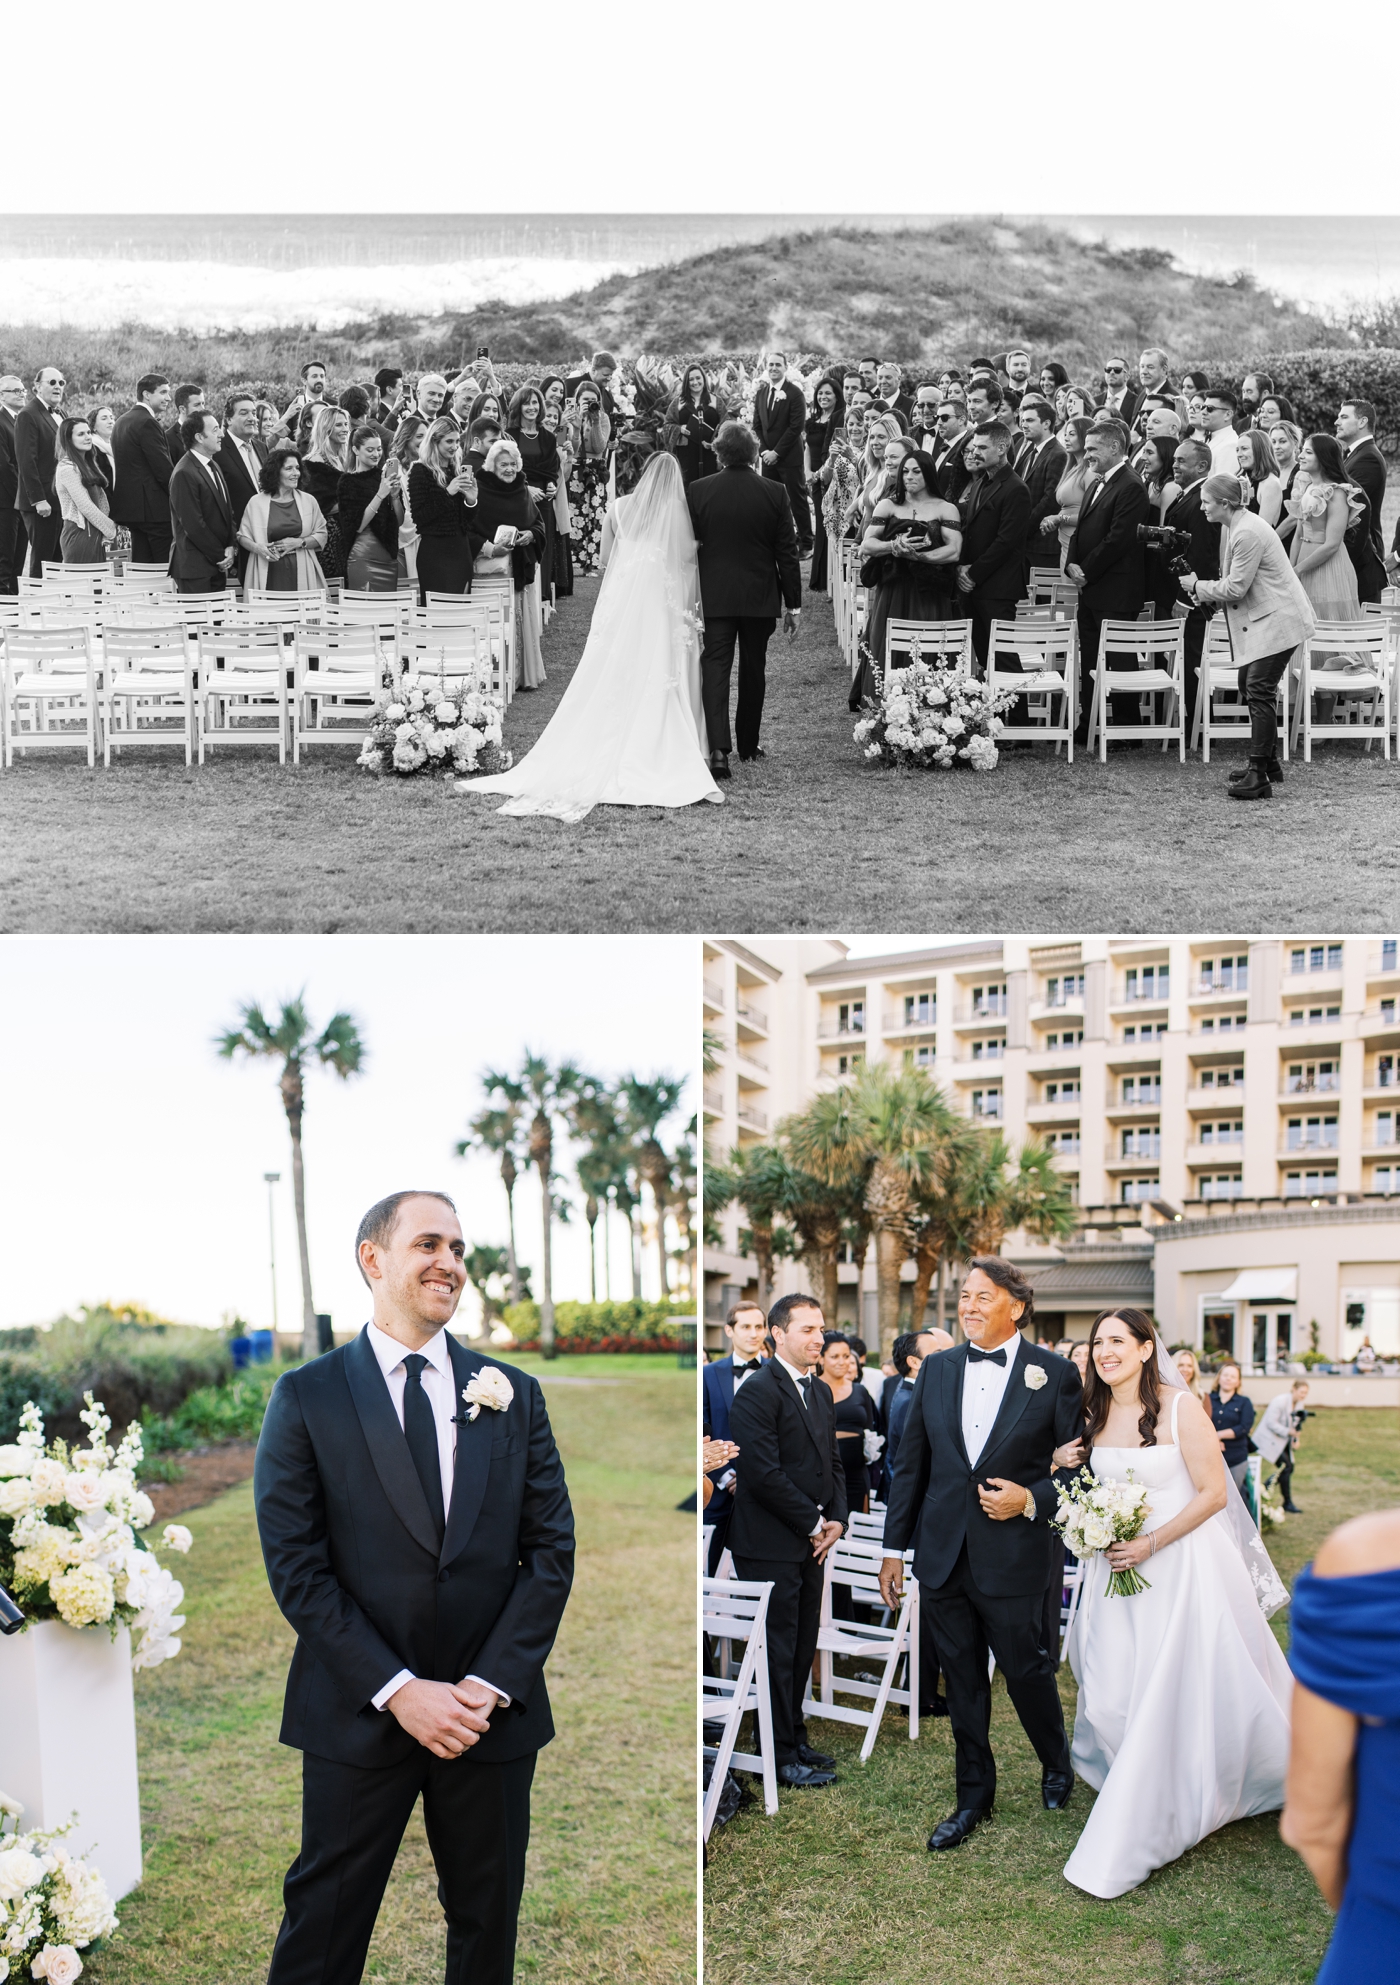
(447, 1718)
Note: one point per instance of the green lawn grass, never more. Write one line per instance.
(840, 1887)
(811, 839)
(610, 1891)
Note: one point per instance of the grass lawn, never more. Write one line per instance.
(610, 1892)
(839, 1886)
(809, 840)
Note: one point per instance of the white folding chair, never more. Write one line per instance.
(1364, 686)
(856, 1563)
(241, 682)
(1074, 1586)
(1388, 610)
(1221, 712)
(863, 1527)
(1047, 652)
(147, 688)
(208, 610)
(944, 644)
(155, 578)
(737, 1609)
(1155, 654)
(50, 691)
(1052, 591)
(498, 591)
(492, 618)
(269, 609)
(336, 674)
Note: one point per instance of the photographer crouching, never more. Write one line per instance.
(1268, 615)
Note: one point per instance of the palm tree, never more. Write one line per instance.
(485, 1265)
(685, 1187)
(498, 1131)
(824, 1198)
(291, 1040)
(979, 1196)
(646, 1105)
(757, 1177)
(545, 1093)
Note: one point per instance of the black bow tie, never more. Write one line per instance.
(752, 1366)
(976, 1357)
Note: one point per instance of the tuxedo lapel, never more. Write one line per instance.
(388, 1449)
(1014, 1400)
(806, 1414)
(952, 1370)
(473, 1462)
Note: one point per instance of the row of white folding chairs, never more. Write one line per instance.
(737, 1610)
(1366, 686)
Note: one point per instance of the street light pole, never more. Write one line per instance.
(271, 1179)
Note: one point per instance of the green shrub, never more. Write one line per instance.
(232, 1411)
(1318, 381)
(588, 1327)
(129, 1367)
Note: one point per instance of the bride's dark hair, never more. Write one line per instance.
(1098, 1397)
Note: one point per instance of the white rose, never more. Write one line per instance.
(1035, 1377)
(85, 1491)
(19, 1870)
(395, 713)
(490, 1388)
(49, 1480)
(406, 733)
(446, 713)
(142, 1510)
(16, 1460)
(415, 701)
(15, 1496)
(175, 1537)
(59, 1963)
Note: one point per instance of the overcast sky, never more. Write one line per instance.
(132, 1157)
(657, 109)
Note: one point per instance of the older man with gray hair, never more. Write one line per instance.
(14, 539)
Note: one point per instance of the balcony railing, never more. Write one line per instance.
(751, 1118)
(990, 1006)
(1322, 1139)
(751, 1014)
(714, 1102)
(1142, 1147)
(1222, 1188)
(1312, 1085)
(714, 992)
(988, 1051)
(1142, 1092)
(751, 1055)
(832, 1030)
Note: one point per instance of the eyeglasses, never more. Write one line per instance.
(1115, 368)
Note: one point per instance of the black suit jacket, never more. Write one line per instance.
(1106, 547)
(201, 519)
(1042, 478)
(933, 1497)
(994, 536)
(1186, 514)
(780, 421)
(951, 472)
(36, 454)
(241, 487)
(749, 566)
(9, 468)
(1366, 466)
(143, 462)
(355, 1566)
(790, 1476)
(717, 1390)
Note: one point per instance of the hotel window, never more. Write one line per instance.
(986, 1102)
(1222, 1078)
(1146, 982)
(848, 1064)
(988, 1002)
(1313, 1016)
(1312, 1133)
(1071, 1037)
(850, 1017)
(1223, 1023)
(1222, 1185)
(920, 1009)
(1150, 1030)
(1388, 1009)
(1142, 1089)
(1059, 991)
(1385, 1072)
(1302, 1185)
(1143, 1141)
(1132, 1191)
(1065, 1142)
(1386, 1178)
(1316, 958)
(1385, 1127)
(1304, 1076)
(988, 1050)
(922, 1057)
(1387, 954)
(1061, 1092)
(1223, 1133)
(1225, 974)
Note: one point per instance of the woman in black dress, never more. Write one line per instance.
(696, 413)
(855, 1415)
(911, 552)
(441, 498)
(827, 419)
(539, 456)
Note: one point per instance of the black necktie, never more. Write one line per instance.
(420, 1430)
(976, 1357)
(804, 1386)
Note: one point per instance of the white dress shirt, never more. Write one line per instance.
(1224, 447)
(440, 1388)
(984, 1388)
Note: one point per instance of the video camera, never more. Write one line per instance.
(1173, 545)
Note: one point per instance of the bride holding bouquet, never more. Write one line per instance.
(1184, 1693)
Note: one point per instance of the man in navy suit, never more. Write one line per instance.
(780, 422)
(745, 1327)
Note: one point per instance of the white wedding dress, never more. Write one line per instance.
(628, 730)
(1184, 1693)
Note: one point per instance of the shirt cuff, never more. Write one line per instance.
(505, 1699)
(381, 1701)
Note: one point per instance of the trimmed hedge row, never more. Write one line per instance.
(588, 1327)
(133, 1371)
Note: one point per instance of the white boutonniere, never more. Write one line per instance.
(1035, 1377)
(489, 1388)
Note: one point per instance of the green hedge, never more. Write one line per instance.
(586, 1327)
(130, 1369)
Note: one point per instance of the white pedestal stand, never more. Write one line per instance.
(68, 1741)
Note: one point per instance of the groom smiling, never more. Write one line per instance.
(418, 1537)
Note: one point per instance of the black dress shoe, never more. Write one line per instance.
(953, 1831)
(1056, 1788)
(1273, 772)
(757, 752)
(1292, 1509)
(804, 1775)
(719, 765)
(938, 1707)
(818, 1760)
(1254, 785)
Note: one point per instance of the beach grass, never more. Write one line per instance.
(840, 1886)
(610, 1890)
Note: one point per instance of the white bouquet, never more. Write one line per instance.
(70, 1547)
(933, 716)
(52, 1905)
(429, 724)
(1094, 1514)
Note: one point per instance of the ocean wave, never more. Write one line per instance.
(206, 297)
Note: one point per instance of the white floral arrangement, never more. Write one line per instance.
(429, 724)
(931, 716)
(70, 1547)
(52, 1905)
(1094, 1514)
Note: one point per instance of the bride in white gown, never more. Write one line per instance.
(1184, 1693)
(628, 730)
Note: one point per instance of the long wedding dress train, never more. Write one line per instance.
(629, 729)
(1184, 1693)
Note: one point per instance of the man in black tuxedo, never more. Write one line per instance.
(418, 1537)
(14, 540)
(1365, 464)
(1120, 394)
(746, 1327)
(789, 1509)
(389, 397)
(36, 457)
(974, 1494)
(1105, 559)
(141, 499)
(1040, 465)
(201, 513)
(780, 422)
(923, 429)
(891, 397)
(240, 458)
(954, 433)
(749, 570)
(995, 509)
(1190, 467)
